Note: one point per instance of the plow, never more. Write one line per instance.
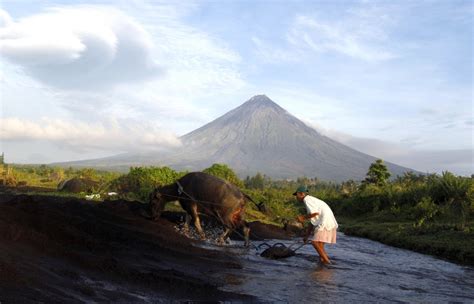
(280, 250)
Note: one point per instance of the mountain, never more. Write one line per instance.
(260, 136)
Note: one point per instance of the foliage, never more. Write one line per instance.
(258, 181)
(436, 238)
(378, 174)
(424, 211)
(224, 172)
(49, 177)
(424, 200)
(140, 181)
(447, 187)
(280, 204)
(349, 188)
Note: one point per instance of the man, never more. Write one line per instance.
(322, 221)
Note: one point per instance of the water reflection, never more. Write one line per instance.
(322, 274)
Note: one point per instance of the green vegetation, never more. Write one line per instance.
(378, 174)
(224, 172)
(139, 182)
(442, 240)
(49, 177)
(427, 213)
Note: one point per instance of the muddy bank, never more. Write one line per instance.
(258, 231)
(67, 250)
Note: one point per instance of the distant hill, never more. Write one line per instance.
(258, 136)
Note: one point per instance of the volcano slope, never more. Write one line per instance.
(67, 250)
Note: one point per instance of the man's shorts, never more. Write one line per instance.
(325, 236)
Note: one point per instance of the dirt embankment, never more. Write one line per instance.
(67, 250)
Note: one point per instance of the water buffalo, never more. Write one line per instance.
(199, 192)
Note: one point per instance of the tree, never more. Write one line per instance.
(142, 180)
(57, 174)
(255, 182)
(224, 172)
(348, 188)
(378, 174)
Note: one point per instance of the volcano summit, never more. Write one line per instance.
(259, 136)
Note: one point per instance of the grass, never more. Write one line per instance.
(439, 239)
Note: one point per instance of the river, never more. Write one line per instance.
(362, 271)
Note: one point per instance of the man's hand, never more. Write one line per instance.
(301, 218)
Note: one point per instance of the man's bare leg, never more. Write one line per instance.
(319, 246)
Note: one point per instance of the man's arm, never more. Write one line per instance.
(303, 217)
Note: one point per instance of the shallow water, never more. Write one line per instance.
(362, 270)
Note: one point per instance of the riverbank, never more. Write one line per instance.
(438, 239)
(59, 249)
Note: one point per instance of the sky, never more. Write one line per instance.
(89, 79)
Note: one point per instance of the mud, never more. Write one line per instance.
(67, 250)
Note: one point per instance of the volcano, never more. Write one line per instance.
(259, 136)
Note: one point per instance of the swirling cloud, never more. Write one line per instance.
(80, 47)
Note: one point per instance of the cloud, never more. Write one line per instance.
(5, 19)
(112, 136)
(458, 161)
(344, 38)
(88, 47)
(112, 49)
(79, 47)
(360, 32)
(269, 53)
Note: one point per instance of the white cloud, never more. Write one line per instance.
(111, 136)
(197, 66)
(5, 19)
(79, 47)
(458, 161)
(343, 38)
(197, 62)
(363, 34)
(269, 53)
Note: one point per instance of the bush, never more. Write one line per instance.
(224, 172)
(448, 187)
(424, 211)
(141, 181)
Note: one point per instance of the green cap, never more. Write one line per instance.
(301, 189)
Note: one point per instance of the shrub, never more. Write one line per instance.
(224, 172)
(255, 182)
(448, 187)
(141, 181)
(378, 174)
(424, 211)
